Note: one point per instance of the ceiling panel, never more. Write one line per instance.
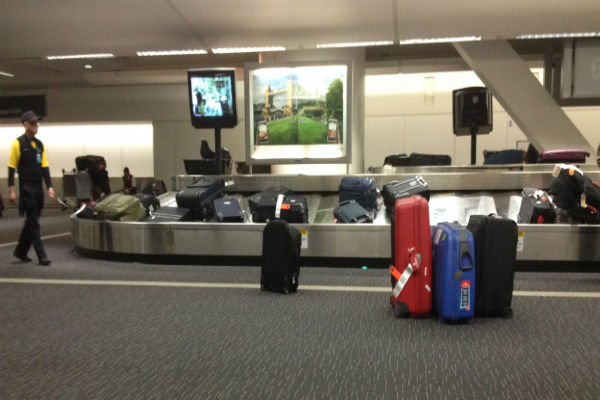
(30, 30)
(294, 24)
(41, 28)
(495, 19)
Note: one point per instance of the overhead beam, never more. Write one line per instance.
(511, 82)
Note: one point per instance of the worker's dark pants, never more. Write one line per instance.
(31, 202)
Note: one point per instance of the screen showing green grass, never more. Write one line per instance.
(298, 106)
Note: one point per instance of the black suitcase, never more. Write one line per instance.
(420, 159)
(270, 191)
(417, 159)
(536, 207)
(199, 196)
(361, 189)
(171, 214)
(291, 208)
(495, 257)
(228, 209)
(350, 211)
(396, 160)
(402, 188)
(280, 267)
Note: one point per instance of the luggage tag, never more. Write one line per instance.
(278, 206)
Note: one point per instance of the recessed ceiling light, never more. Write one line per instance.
(79, 56)
(441, 40)
(170, 52)
(354, 44)
(557, 35)
(88, 66)
(7, 74)
(225, 50)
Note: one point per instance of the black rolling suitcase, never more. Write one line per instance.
(350, 211)
(420, 159)
(396, 160)
(402, 188)
(270, 191)
(199, 196)
(228, 209)
(495, 257)
(291, 208)
(280, 267)
(361, 189)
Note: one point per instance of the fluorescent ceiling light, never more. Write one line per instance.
(441, 40)
(7, 74)
(79, 56)
(170, 52)
(225, 50)
(354, 44)
(557, 35)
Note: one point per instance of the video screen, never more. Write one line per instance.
(212, 98)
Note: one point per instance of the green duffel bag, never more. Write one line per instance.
(121, 207)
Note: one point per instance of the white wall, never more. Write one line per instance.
(403, 115)
(125, 144)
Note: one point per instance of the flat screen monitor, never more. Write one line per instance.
(472, 108)
(212, 98)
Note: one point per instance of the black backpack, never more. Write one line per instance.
(570, 191)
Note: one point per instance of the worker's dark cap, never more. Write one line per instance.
(29, 116)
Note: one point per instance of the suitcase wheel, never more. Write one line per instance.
(508, 313)
(401, 310)
(262, 283)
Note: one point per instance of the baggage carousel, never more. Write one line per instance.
(325, 240)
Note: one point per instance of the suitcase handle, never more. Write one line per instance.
(414, 258)
(464, 251)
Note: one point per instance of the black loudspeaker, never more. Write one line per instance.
(472, 111)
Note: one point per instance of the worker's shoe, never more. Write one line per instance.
(22, 258)
(45, 262)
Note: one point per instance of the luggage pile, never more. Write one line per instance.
(572, 197)
(357, 200)
(437, 270)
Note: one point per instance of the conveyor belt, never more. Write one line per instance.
(322, 237)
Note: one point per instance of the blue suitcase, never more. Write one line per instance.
(453, 272)
(361, 189)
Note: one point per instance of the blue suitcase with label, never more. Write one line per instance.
(453, 272)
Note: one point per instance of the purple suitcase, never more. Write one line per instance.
(563, 156)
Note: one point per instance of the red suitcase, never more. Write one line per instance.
(411, 269)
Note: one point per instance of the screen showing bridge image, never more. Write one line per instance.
(298, 111)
